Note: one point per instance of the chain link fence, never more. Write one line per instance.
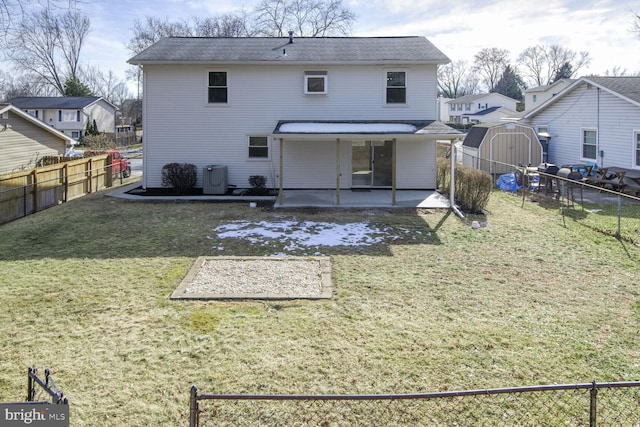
(612, 211)
(604, 404)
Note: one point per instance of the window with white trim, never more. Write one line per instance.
(315, 82)
(589, 144)
(68, 116)
(637, 148)
(396, 87)
(258, 147)
(217, 87)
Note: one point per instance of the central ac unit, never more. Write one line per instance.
(214, 179)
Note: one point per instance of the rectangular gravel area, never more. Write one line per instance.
(257, 278)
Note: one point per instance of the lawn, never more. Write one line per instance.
(431, 305)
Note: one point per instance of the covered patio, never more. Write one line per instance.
(398, 171)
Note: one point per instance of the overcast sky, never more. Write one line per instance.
(458, 28)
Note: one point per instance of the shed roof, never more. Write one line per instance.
(319, 50)
(475, 136)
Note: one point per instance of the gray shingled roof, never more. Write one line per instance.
(628, 87)
(475, 136)
(320, 50)
(44, 103)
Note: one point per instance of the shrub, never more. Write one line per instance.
(258, 184)
(98, 142)
(472, 186)
(180, 176)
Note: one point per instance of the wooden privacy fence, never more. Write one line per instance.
(25, 192)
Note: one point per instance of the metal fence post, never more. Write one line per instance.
(592, 406)
(193, 407)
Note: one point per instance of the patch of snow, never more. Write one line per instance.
(299, 235)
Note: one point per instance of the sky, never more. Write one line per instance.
(460, 29)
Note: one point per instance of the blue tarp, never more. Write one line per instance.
(508, 182)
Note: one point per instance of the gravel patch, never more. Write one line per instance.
(256, 278)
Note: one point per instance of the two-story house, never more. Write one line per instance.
(481, 108)
(306, 113)
(537, 96)
(70, 114)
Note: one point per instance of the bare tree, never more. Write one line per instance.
(542, 63)
(490, 63)
(12, 11)
(106, 85)
(452, 78)
(12, 85)
(308, 18)
(49, 46)
(149, 31)
(228, 25)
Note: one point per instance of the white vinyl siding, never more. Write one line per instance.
(587, 108)
(182, 130)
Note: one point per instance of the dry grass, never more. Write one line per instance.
(527, 300)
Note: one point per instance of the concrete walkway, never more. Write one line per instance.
(376, 198)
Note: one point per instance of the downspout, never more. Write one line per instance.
(394, 172)
(281, 170)
(337, 171)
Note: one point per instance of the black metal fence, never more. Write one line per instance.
(44, 390)
(591, 404)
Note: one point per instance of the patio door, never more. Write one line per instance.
(371, 164)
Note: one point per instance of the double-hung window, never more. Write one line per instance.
(589, 143)
(396, 87)
(258, 147)
(217, 87)
(637, 148)
(315, 82)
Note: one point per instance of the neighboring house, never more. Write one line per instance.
(306, 113)
(498, 147)
(475, 108)
(595, 119)
(24, 140)
(71, 114)
(536, 96)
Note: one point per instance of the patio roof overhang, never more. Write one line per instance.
(394, 130)
(419, 130)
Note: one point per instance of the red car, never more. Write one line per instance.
(119, 164)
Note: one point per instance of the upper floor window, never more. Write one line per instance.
(589, 143)
(218, 89)
(459, 107)
(535, 98)
(33, 113)
(258, 147)
(452, 107)
(467, 107)
(315, 82)
(68, 116)
(396, 87)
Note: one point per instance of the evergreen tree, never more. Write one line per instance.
(510, 84)
(565, 72)
(73, 87)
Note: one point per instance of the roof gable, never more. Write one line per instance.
(625, 88)
(36, 122)
(392, 50)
